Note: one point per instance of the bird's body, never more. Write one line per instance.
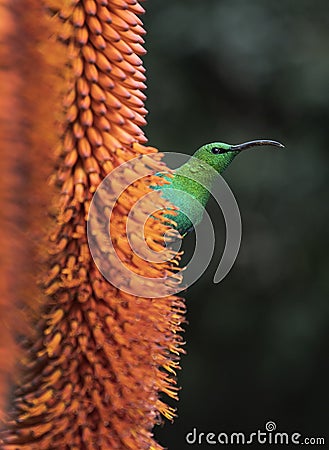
(180, 186)
(189, 187)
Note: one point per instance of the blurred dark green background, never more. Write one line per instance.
(257, 343)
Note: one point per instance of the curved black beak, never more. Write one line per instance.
(256, 143)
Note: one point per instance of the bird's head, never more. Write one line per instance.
(219, 155)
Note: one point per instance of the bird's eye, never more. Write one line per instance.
(216, 150)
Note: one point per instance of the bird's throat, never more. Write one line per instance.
(196, 179)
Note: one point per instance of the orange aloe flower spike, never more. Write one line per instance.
(95, 358)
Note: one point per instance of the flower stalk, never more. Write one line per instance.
(95, 358)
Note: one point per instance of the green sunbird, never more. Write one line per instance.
(196, 178)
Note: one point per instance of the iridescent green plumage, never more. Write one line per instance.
(190, 186)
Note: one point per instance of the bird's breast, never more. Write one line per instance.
(189, 198)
